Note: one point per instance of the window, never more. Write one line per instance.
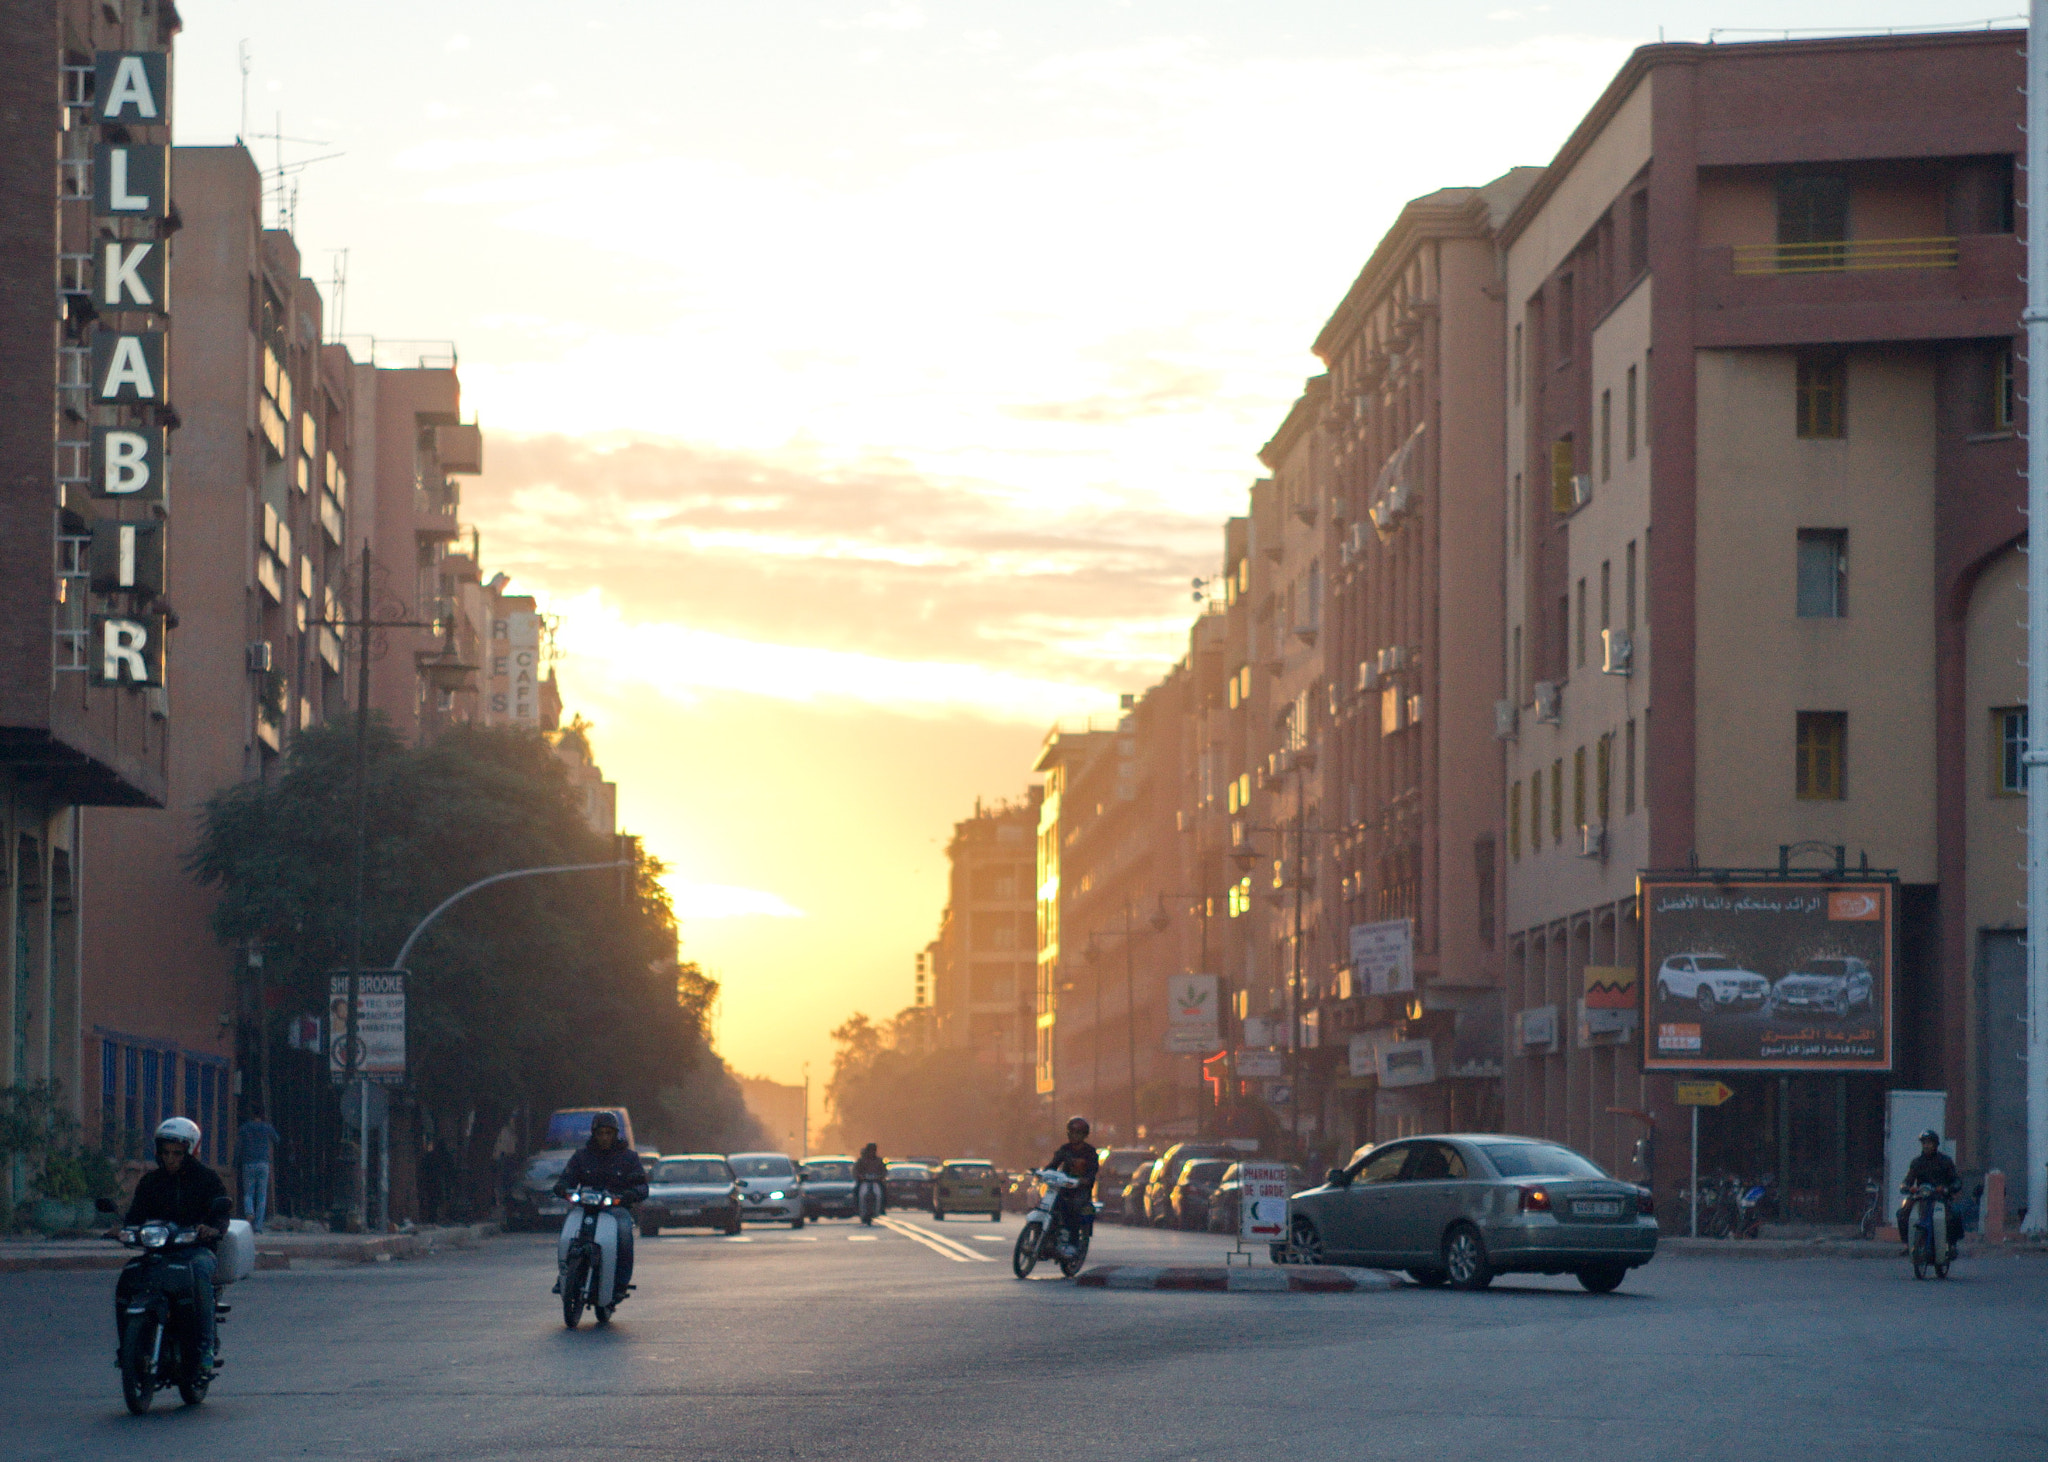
(1638, 232)
(1579, 787)
(1823, 573)
(1579, 629)
(1812, 209)
(1515, 365)
(1606, 435)
(1564, 466)
(1382, 1165)
(1515, 821)
(1629, 415)
(1823, 738)
(1822, 395)
(1536, 810)
(2003, 394)
(1628, 587)
(1606, 593)
(2009, 750)
(1565, 318)
(1557, 800)
(1628, 767)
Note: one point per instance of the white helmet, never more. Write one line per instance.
(179, 1129)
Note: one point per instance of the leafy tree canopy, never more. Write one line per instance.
(888, 1088)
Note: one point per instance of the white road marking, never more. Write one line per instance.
(863, 1238)
(937, 1243)
(991, 1239)
(735, 1239)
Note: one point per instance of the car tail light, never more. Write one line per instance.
(1533, 1200)
(1646, 1201)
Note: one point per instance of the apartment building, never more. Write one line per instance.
(981, 965)
(1763, 567)
(86, 418)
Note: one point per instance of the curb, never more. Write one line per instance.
(1974, 1247)
(1219, 1279)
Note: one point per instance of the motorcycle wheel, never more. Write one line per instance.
(1070, 1265)
(1024, 1258)
(138, 1381)
(938, 1215)
(604, 1314)
(575, 1280)
(191, 1385)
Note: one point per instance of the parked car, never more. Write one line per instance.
(1831, 983)
(532, 1203)
(967, 1185)
(1714, 982)
(1130, 1205)
(1224, 1203)
(1463, 1208)
(1114, 1175)
(908, 1185)
(1190, 1197)
(828, 1187)
(1166, 1172)
(771, 1188)
(691, 1190)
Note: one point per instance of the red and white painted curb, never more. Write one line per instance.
(1219, 1279)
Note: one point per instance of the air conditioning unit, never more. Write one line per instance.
(260, 657)
(1339, 512)
(1368, 676)
(1617, 652)
(1505, 719)
(1549, 702)
(1592, 841)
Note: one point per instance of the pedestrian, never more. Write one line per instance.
(255, 1147)
(437, 1181)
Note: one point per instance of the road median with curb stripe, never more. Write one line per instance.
(1236, 1279)
(273, 1250)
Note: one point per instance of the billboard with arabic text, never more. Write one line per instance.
(1766, 975)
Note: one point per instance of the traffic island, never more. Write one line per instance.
(273, 1250)
(1232, 1279)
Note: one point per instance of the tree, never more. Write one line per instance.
(888, 1089)
(562, 990)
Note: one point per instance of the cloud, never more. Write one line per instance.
(697, 901)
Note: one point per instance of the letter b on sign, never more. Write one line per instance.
(128, 462)
(127, 650)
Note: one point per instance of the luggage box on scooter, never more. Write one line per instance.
(236, 1257)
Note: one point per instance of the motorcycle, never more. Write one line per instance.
(1874, 1216)
(1927, 1233)
(588, 1254)
(155, 1296)
(870, 1190)
(1047, 1235)
(1758, 1202)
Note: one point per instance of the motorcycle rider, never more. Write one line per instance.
(869, 1168)
(1934, 1169)
(606, 1162)
(1077, 1158)
(185, 1192)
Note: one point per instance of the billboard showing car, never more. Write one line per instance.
(1766, 975)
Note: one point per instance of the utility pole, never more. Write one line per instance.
(2036, 319)
(1294, 978)
(355, 950)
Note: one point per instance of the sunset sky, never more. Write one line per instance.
(864, 382)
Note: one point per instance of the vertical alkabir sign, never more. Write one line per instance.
(118, 430)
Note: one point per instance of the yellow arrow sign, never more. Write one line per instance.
(1703, 1093)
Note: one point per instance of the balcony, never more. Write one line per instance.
(1859, 290)
(434, 512)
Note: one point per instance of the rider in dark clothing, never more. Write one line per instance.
(606, 1162)
(184, 1191)
(1934, 1169)
(870, 1168)
(1077, 1158)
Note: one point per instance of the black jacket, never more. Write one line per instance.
(1078, 1160)
(1936, 1169)
(870, 1167)
(618, 1171)
(189, 1197)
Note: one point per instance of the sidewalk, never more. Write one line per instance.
(273, 1250)
(1974, 1247)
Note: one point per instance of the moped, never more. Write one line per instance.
(589, 1254)
(1048, 1234)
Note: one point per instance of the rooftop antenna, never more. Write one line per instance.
(338, 292)
(243, 130)
(283, 176)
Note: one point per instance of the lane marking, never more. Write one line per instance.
(990, 1239)
(735, 1239)
(937, 1243)
(863, 1238)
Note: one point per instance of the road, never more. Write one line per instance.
(838, 1343)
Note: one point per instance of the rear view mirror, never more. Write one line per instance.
(1337, 1179)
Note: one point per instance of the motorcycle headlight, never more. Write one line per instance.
(155, 1236)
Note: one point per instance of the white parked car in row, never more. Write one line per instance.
(1713, 982)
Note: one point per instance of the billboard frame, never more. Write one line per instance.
(1782, 877)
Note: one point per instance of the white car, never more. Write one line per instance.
(1714, 982)
(771, 1187)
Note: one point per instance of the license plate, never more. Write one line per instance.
(1597, 1208)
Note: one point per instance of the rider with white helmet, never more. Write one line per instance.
(186, 1192)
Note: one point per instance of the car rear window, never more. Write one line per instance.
(830, 1172)
(971, 1169)
(770, 1166)
(1713, 962)
(693, 1170)
(908, 1170)
(1538, 1160)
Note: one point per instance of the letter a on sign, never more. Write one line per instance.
(127, 650)
(128, 367)
(129, 86)
(128, 462)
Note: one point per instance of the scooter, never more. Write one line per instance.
(1927, 1237)
(159, 1325)
(870, 1190)
(588, 1254)
(1046, 1236)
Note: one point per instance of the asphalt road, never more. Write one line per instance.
(834, 1342)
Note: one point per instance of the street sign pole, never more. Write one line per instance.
(1694, 1231)
(1697, 1094)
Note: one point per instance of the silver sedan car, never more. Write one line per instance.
(1465, 1207)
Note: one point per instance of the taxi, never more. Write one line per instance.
(967, 1185)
